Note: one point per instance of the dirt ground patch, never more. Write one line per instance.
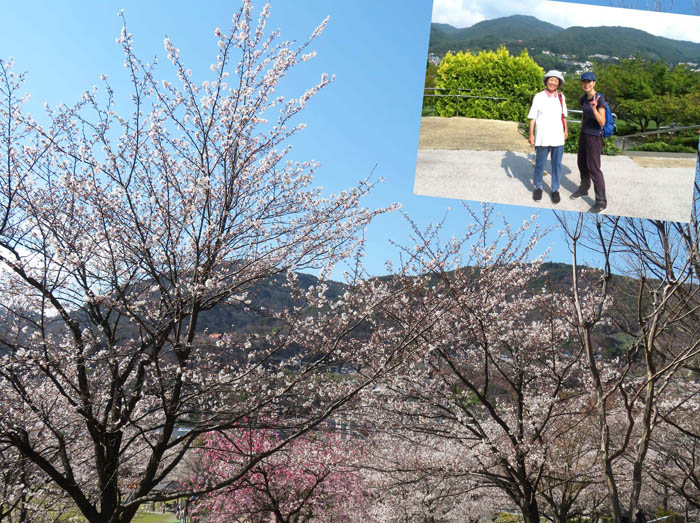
(459, 133)
(643, 161)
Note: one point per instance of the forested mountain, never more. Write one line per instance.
(516, 29)
(518, 32)
(273, 295)
(619, 41)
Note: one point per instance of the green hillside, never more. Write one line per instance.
(518, 32)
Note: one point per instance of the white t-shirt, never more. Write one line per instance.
(547, 111)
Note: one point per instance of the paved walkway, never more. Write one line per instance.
(490, 160)
(657, 192)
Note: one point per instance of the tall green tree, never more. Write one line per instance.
(644, 92)
(682, 80)
(629, 80)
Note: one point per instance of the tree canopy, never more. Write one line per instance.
(642, 92)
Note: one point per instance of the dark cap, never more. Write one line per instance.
(588, 76)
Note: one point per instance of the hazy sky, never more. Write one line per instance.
(464, 13)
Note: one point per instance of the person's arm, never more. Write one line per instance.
(565, 111)
(532, 115)
(598, 112)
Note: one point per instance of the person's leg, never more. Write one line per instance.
(557, 154)
(540, 159)
(594, 148)
(581, 160)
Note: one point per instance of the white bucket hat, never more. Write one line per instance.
(554, 74)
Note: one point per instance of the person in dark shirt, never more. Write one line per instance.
(590, 144)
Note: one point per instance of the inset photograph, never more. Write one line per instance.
(530, 108)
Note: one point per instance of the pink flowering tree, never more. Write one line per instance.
(310, 479)
(119, 233)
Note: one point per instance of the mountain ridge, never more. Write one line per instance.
(576, 43)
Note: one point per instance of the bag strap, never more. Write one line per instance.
(561, 103)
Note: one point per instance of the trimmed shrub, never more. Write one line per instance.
(663, 147)
(488, 74)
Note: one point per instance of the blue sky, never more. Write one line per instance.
(368, 119)
(687, 7)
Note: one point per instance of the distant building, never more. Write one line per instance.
(434, 59)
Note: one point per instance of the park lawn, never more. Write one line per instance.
(141, 517)
(153, 517)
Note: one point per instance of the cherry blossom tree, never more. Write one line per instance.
(675, 448)
(118, 234)
(419, 478)
(571, 485)
(657, 311)
(27, 496)
(310, 479)
(492, 372)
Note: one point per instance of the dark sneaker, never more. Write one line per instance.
(580, 193)
(537, 195)
(555, 197)
(598, 208)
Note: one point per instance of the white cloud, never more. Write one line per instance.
(464, 13)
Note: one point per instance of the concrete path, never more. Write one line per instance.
(490, 160)
(663, 193)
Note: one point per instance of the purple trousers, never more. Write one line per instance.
(589, 149)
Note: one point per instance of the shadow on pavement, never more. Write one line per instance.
(521, 168)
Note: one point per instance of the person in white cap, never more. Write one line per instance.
(548, 131)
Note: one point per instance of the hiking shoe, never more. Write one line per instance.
(537, 195)
(580, 193)
(555, 197)
(598, 208)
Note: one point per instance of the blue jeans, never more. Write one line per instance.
(541, 154)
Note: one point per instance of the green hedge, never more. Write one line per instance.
(663, 147)
(488, 74)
